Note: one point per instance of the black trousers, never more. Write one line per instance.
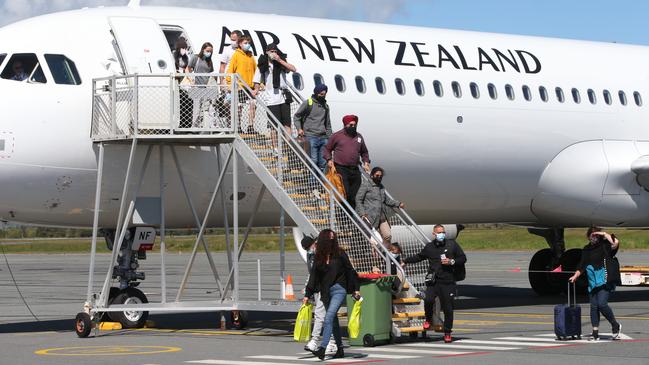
(446, 293)
(351, 176)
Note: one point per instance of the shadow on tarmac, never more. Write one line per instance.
(470, 297)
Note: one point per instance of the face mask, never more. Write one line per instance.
(207, 55)
(234, 45)
(593, 239)
(183, 51)
(377, 179)
(351, 130)
(440, 236)
(246, 47)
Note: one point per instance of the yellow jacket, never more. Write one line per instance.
(244, 64)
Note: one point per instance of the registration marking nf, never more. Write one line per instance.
(107, 350)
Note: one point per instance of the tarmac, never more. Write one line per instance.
(498, 319)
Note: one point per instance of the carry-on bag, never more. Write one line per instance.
(567, 317)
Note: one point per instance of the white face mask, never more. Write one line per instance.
(234, 45)
(183, 51)
(247, 46)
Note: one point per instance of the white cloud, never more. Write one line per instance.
(368, 10)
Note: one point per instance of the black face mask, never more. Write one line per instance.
(321, 99)
(377, 179)
(351, 130)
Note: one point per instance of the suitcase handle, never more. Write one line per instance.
(574, 294)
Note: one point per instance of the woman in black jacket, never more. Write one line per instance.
(334, 277)
(597, 260)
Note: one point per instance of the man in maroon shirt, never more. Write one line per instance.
(344, 150)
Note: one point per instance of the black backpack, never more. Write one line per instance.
(459, 270)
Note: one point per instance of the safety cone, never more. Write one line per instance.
(288, 292)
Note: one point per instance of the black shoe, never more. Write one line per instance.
(340, 353)
(319, 353)
(594, 336)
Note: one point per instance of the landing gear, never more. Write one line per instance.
(569, 261)
(83, 324)
(130, 319)
(541, 277)
(239, 319)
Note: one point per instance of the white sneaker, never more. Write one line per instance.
(311, 345)
(331, 348)
(616, 334)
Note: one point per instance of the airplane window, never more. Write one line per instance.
(475, 91)
(457, 90)
(360, 84)
(527, 93)
(38, 76)
(297, 81)
(380, 85)
(638, 98)
(419, 87)
(2, 57)
(437, 87)
(607, 97)
(591, 96)
(401, 88)
(543, 93)
(509, 90)
(622, 96)
(560, 96)
(340, 83)
(317, 78)
(575, 96)
(493, 93)
(21, 66)
(63, 69)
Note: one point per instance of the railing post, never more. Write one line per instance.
(332, 212)
(113, 105)
(172, 103)
(234, 103)
(136, 103)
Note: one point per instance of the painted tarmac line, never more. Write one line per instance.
(236, 362)
(603, 336)
(373, 356)
(533, 339)
(460, 347)
(506, 343)
(414, 351)
(298, 358)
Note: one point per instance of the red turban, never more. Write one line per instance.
(349, 118)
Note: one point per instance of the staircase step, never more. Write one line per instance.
(411, 329)
(404, 315)
(406, 301)
(273, 170)
(320, 221)
(273, 158)
(311, 209)
(405, 286)
(299, 196)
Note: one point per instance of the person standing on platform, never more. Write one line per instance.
(228, 52)
(344, 150)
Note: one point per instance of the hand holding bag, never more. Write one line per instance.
(302, 330)
(354, 324)
(337, 181)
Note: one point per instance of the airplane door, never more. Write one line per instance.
(144, 50)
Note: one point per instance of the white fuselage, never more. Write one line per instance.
(450, 159)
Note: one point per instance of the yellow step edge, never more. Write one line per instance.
(406, 301)
(411, 329)
(408, 315)
(298, 196)
(272, 158)
(323, 207)
(319, 221)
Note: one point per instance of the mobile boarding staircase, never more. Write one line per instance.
(154, 111)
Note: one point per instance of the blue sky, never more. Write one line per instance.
(623, 21)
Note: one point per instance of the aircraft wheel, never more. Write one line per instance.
(543, 282)
(83, 325)
(569, 261)
(111, 296)
(131, 319)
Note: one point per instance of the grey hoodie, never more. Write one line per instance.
(313, 119)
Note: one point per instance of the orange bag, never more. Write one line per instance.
(337, 181)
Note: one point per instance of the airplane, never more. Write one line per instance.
(470, 127)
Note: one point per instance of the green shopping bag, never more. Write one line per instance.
(354, 324)
(302, 330)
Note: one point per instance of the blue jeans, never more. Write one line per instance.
(599, 304)
(316, 147)
(336, 298)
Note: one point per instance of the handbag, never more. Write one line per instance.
(288, 96)
(337, 181)
(354, 324)
(302, 330)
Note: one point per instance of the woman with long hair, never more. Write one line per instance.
(333, 277)
(597, 261)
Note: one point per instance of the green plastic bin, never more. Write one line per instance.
(376, 312)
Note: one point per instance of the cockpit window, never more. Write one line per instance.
(37, 75)
(63, 69)
(2, 57)
(22, 67)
